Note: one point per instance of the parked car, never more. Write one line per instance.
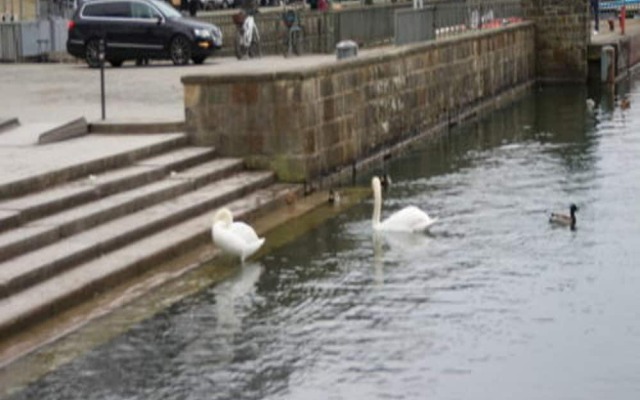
(139, 30)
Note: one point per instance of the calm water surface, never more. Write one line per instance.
(494, 303)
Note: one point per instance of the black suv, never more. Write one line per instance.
(139, 30)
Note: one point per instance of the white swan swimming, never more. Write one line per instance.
(235, 238)
(409, 219)
(591, 105)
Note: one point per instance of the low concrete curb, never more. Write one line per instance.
(77, 127)
(6, 124)
(136, 127)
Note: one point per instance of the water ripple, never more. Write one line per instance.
(490, 303)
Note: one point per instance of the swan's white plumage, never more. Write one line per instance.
(235, 238)
(409, 219)
(591, 105)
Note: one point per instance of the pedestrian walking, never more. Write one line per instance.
(250, 7)
(595, 9)
(193, 7)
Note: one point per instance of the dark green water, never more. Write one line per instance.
(494, 303)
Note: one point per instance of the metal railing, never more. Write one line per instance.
(615, 6)
(380, 24)
(56, 9)
(10, 41)
(368, 25)
(414, 25)
(32, 39)
(443, 18)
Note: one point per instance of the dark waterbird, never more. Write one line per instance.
(564, 219)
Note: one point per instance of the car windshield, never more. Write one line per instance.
(167, 10)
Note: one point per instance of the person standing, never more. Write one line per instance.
(595, 9)
(250, 7)
(193, 7)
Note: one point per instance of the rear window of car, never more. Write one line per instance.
(112, 9)
(141, 10)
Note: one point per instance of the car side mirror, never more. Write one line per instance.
(160, 20)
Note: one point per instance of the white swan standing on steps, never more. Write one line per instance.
(235, 238)
(409, 219)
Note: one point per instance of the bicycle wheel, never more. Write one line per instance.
(240, 50)
(297, 41)
(254, 47)
(285, 44)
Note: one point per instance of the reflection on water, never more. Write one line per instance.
(493, 303)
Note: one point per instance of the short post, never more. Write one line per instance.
(346, 49)
(607, 65)
(623, 16)
(101, 51)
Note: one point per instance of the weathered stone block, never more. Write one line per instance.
(244, 93)
(217, 94)
(308, 124)
(192, 95)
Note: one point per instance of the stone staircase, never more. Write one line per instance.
(83, 229)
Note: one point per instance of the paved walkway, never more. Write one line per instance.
(19, 163)
(57, 92)
(39, 94)
(42, 96)
(605, 36)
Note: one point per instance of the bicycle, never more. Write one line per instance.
(294, 37)
(247, 42)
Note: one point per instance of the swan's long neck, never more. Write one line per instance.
(377, 203)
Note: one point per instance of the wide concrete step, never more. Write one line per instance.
(20, 272)
(50, 229)
(77, 166)
(21, 210)
(47, 230)
(48, 297)
(179, 159)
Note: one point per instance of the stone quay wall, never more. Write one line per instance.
(305, 124)
(562, 38)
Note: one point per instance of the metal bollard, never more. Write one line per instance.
(607, 65)
(101, 57)
(346, 49)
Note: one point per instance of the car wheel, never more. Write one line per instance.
(92, 53)
(198, 59)
(116, 63)
(180, 50)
